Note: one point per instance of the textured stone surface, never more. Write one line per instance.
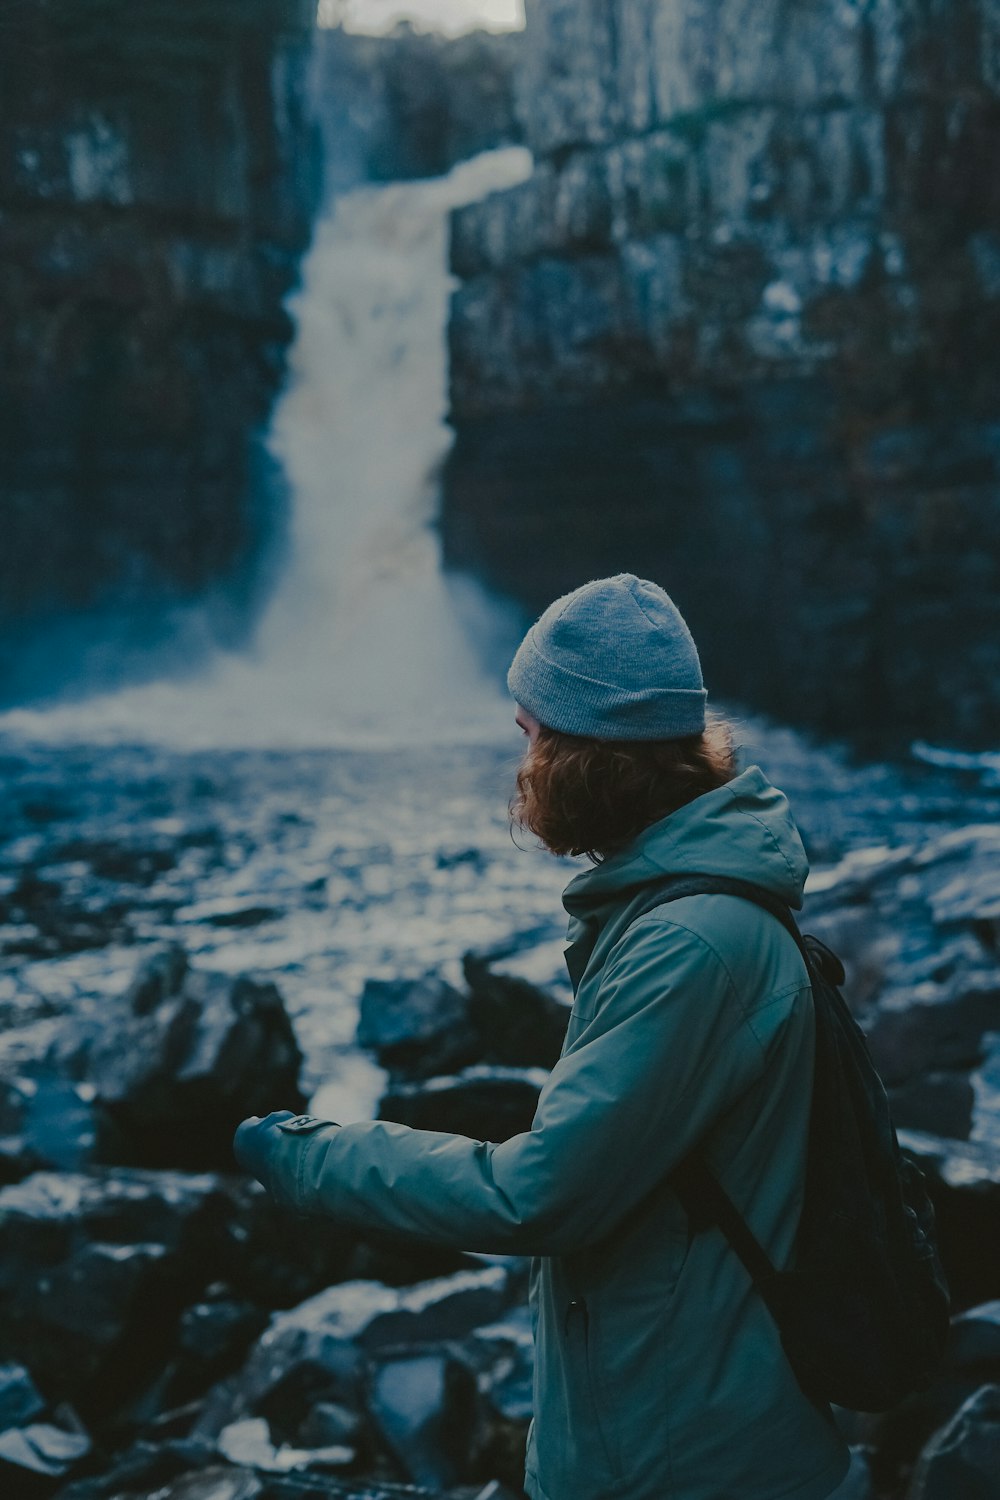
(502, 1355)
(975, 1339)
(424, 1405)
(914, 928)
(639, 63)
(963, 1178)
(45, 1121)
(521, 1023)
(748, 306)
(512, 1013)
(964, 1457)
(158, 175)
(910, 908)
(485, 1103)
(412, 103)
(324, 1351)
(40, 1448)
(19, 1399)
(416, 1027)
(94, 1272)
(181, 1060)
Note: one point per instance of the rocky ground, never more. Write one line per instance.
(187, 939)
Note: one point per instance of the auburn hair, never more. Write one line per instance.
(593, 796)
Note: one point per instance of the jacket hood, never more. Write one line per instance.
(743, 829)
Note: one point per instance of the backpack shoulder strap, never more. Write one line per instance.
(702, 1196)
(707, 1204)
(673, 887)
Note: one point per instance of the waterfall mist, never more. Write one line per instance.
(365, 640)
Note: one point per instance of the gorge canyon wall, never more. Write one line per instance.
(739, 331)
(411, 103)
(159, 173)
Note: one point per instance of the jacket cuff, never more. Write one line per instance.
(290, 1147)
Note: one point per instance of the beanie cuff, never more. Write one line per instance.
(573, 704)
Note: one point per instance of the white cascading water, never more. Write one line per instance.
(365, 641)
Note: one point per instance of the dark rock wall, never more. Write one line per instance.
(740, 331)
(158, 177)
(412, 104)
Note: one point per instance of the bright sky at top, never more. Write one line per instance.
(450, 16)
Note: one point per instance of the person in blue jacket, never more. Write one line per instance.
(659, 1374)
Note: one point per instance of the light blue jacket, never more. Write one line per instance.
(658, 1372)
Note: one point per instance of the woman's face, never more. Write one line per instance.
(529, 725)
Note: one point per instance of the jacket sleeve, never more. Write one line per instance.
(668, 1050)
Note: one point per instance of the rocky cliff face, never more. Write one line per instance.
(739, 331)
(158, 177)
(412, 103)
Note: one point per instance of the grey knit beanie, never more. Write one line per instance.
(613, 660)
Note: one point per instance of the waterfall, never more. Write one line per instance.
(365, 639)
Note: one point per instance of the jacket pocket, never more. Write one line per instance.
(581, 1353)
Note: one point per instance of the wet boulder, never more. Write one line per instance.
(986, 1085)
(501, 1355)
(513, 1012)
(214, 1330)
(33, 1458)
(940, 1102)
(214, 1482)
(519, 1002)
(133, 1292)
(963, 1458)
(915, 928)
(45, 1121)
(223, 1481)
(327, 1425)
(963, 1180)
(212, 1339)
(268, 1260)
(932, 1029)
(372, 1317)
(20, 1401)
(972, 1359)
(249, 1442)
(264, 1260)
(417, 1027)
(484, 1103)
(423, 1404)
(94, 1273)
(975, 1342)
(323, 1351)
(970, 894)
(398, 1261)
(144, 1469)
(180, 1060)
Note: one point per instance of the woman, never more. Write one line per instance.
(659, 1374)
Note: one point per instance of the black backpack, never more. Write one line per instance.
(864, 1314)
